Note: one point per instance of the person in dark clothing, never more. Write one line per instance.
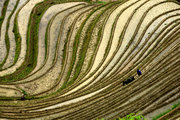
(23, 97)
(139, 72)
(128, 80)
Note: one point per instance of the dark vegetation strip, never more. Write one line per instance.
(17, 38)
(38, 13)
(6, 35)
(67, 43)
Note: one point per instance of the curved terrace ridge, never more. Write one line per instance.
(87, 60)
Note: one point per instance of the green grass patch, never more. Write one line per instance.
(17, 39)
(8, 98)
(161, 114)
(1, 19)
(167, 111)
(101, 2)
(24, 92)
(176, 105)
(131, 116)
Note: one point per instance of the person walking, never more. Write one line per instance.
(139, 72)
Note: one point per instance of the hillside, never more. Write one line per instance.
(67, 59)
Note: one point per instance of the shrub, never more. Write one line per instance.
(131, 116)
(24, 92)
(1, 18)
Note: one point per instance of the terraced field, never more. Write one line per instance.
(67, 60)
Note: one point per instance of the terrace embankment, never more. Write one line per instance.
(10, 37)
(67, 59)
(3, 49)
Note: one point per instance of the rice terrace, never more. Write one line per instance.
(89, 60)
